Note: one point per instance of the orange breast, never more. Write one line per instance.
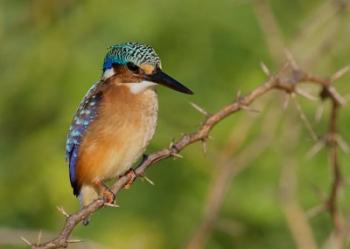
(118, 137)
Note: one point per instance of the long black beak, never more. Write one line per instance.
(163, 79)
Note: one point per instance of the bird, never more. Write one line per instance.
(116, 120)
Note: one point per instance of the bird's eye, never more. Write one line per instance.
(132, 67)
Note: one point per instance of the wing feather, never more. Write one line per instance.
(85, 115)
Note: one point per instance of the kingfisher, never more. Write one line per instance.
(116, 120)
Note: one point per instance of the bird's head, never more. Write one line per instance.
(138, 65)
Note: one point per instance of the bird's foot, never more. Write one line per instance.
(107, 194)
(132, 176)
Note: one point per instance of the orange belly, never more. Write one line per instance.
(119, 135)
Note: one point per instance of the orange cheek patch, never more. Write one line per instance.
(147, 68)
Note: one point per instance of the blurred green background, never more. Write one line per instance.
(51, 52)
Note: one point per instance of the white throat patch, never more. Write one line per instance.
(136, 88)
(108, 73)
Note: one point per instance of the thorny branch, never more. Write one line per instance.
(332, 143)
(287, 79)
(231, 161)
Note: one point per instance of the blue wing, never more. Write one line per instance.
(84, 116)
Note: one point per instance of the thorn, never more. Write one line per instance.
(62, 211)
(72, 241)
(290, 59)
(25, 241)
(286, 101)
(148, 180)
(340, 73)
(336, 95)
(238, 95)
(39, 237)
(315, 149)
(249, 109)
(176, 155)
(305, 94)
(305, 120)
(265, 69)
(342, 144)
(319, 113)
(205, 146)
(111, 205)
(315, 211)
(174, 151)
(200, 109)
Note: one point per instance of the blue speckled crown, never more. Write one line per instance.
(130, 52)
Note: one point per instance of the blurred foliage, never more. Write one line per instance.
(51, 52)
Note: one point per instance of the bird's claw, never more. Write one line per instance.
(132, 176)
(108, 196)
